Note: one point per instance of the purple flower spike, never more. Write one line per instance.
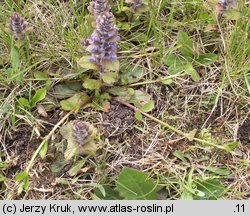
(80, 131)
(97, 7)
(103, 39)
(17, 26)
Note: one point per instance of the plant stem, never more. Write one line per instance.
(166, 125)
(151, 117)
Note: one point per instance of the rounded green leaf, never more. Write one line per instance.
(110, 77)
(133, 185)
(132, 74)
(74, 102)
(112, 65)
(92, 84)
(85, 62)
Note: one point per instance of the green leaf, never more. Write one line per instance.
(123, 93)
(186, 44)
(175, 64)
(101, 101)
(39, 96)
(173, 60)
(85, 62)
(131, 91)
(110, 77)
(24, 185)
(138, 115)
(58, 165)
(15, 58)
(191, 135)
(72, 148)
(219, 171)
(92, 84)
(2, 178)
(186, 195)
(180, 155)
(191, 71)
(24, 102)
(206, 59)
(44, 149)
(4, 165)
(76, 167)
(131, 74)
(211, 188)
(188, 190)
(110, 193)
(175, 69)
(21, 176)
(74, 102)
(148, 106)
(230, 147)
(133, 185)
(167, 81)
(67, 89)
(247, 82)
(112, 65)
(142, 100)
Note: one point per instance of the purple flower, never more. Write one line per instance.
(103, 39)
(96, 7)
(228, 2)
(17, 25)
(80, 131)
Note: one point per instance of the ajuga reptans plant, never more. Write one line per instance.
(96, 7)
(17, 26)
(103, 39)
(81, 132)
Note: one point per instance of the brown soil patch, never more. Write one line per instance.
(117, 122)
(20, 146)
(244, 132)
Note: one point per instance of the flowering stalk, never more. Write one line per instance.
(96, 7)
(17, 26)
(103, 40)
